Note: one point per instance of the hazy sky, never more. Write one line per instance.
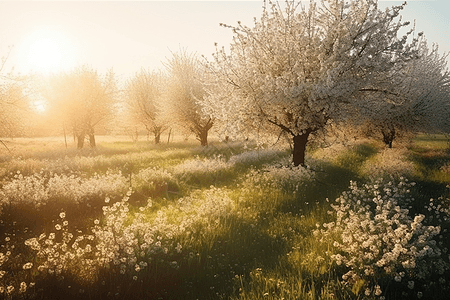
(128, 35)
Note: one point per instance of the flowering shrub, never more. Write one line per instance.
(153, 174)
(60, 251)
(87, 161)
(126, 243)
(256, 157)
(285, 177)
(390, 161)
(206, 206)
(154, 181)
(219, 164)
(440, 209)
(25, 190)
(25, 166)
(132, 244)
(378, 241)
(202, 166)
(75, 188)
(37, 189)
(14, 274)
(121, 240)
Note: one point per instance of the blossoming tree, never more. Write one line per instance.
(14, 103)
(14, 109)
(301, 68)
(185, 90)
(145, 99)
(419, 101)
(82, 99)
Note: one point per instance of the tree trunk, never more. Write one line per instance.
(203, 137)
(299, 150)
(92, 140)
(90, 133)
(168, 138)
(388, 135)
(80, 140)
(65, 138)
(157, 136)
(202, 131)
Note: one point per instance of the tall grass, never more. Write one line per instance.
(230, 221)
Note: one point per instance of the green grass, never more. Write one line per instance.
(260, 247)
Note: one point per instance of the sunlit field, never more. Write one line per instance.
(227, 221)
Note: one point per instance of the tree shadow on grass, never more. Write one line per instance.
(428, 162)
(330, 180)
(239, 249)
(206, 268)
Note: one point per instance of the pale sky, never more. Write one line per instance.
(128, 35)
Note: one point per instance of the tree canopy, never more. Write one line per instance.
(82, 99)
(145, 98)
(417, 98)
(301, 68)
(14, 103)
(185, 91)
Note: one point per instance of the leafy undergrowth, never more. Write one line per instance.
(225, 222)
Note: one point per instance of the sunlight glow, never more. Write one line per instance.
(46, 51)
(40, 106)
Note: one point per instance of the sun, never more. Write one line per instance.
(40, 106)
(46, 51)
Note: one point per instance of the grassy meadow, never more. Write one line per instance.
(228, 221)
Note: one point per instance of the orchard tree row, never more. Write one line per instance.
(303, 71)
(82, 102)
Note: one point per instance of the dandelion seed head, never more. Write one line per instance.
(27, 266)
